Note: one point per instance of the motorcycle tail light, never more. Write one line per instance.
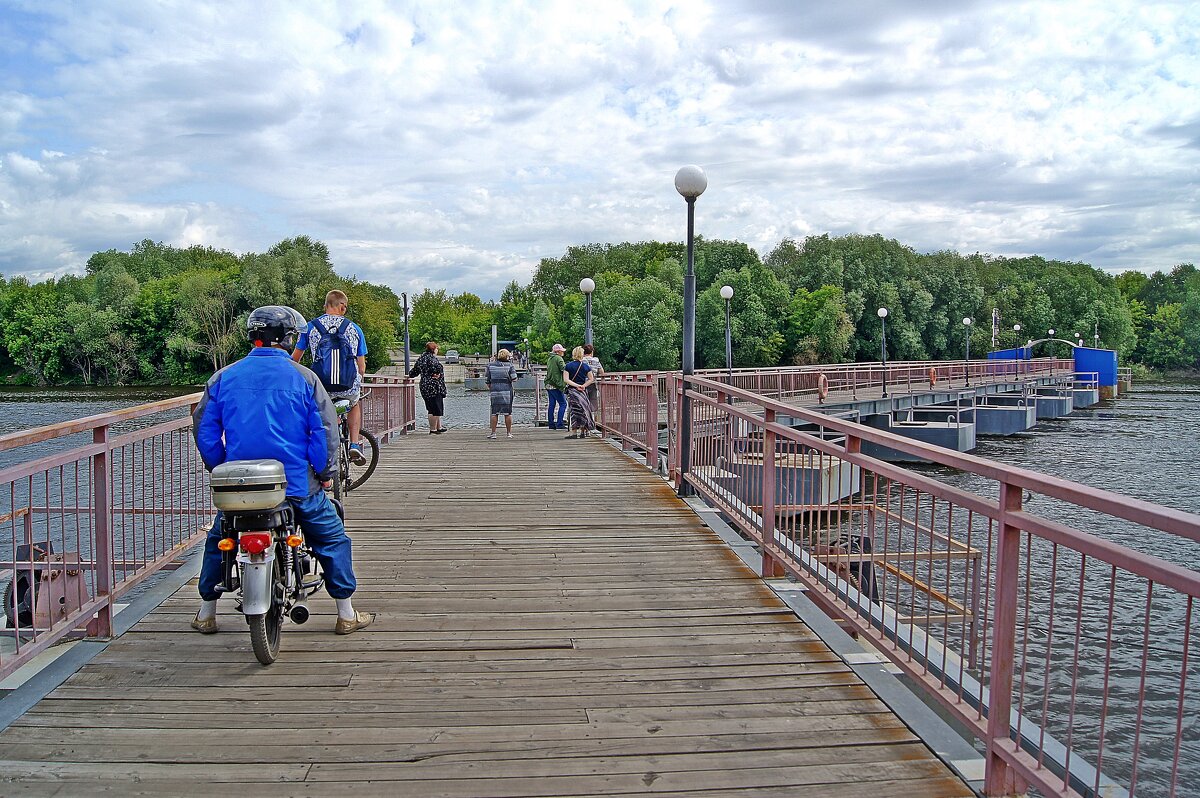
(256, 542)
(294, 540)
(226, 544)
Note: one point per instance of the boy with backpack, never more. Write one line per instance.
(339, 357)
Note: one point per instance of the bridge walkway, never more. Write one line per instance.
(553, 622)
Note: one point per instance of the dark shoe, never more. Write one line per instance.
(440, 431)
(551, 426)
(204, 627)
(361, 621)
(572, 435)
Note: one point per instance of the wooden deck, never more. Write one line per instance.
(553, 622)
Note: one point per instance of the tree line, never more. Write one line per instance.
(160, 314)
(816, 300)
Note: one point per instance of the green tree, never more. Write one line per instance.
(818, 328)
(206, 319)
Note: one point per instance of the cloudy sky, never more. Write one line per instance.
(453, 145)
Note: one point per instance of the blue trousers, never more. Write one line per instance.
(559, 399)
(323, 530)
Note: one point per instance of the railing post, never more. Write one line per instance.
(1000, 779)
(652, 424)
(770, 567)
(624, 411)
(673, 383)
(102, 575)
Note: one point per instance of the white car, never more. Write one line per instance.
(452, 356)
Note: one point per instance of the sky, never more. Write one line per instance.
(454, 145)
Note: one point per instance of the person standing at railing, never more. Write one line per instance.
(579, 376)
(555, 388)
(339, 357)
(593, 391)
(433, 386)
(500, 376)
(265, 407)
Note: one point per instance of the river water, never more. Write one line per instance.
(1143, 445)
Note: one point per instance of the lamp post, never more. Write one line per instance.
(404, 298)
(1051, 332)
(526, 342)
(967, 363)
(882, 314)
(587, 285)
(727, 295)
(690, 182)
(1017, 336)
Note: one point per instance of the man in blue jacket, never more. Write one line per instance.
(265, 406)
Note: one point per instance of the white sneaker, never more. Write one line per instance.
(511, 436)
(492, 437)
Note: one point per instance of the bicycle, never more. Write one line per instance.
(350, 475)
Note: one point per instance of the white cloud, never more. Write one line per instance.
(454, 145)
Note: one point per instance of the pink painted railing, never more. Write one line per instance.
(389, 405)
(851, 381)
(1066, 654)
(628, 411)
(117, 510)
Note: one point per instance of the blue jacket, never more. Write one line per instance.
(267, 406)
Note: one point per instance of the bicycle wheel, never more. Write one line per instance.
(339, 479)
(370, 449)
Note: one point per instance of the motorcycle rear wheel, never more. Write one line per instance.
(265, 628)
(264, 635)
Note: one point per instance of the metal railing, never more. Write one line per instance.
(389, 405)
(852, 381)
(1067, 655)
(81, 527)
(628, 410)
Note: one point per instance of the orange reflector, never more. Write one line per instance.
(226, 544)
(294, 540)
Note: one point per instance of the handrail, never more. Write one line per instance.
(992, 610)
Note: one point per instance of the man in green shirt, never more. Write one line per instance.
(555, 388)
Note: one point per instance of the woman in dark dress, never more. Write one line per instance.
(433, 386)
(578, 376)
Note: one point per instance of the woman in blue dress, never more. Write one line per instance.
(579, 376)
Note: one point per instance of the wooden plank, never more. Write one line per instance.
(603, 645)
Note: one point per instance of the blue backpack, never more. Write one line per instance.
(334, 361)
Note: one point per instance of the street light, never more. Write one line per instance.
(690, 182)
(727, 295)
(967, 365)
(882, 314)
(1051, 332)
(587, 285)
(526, 353)
(404, 297)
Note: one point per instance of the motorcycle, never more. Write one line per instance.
(266, 562)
